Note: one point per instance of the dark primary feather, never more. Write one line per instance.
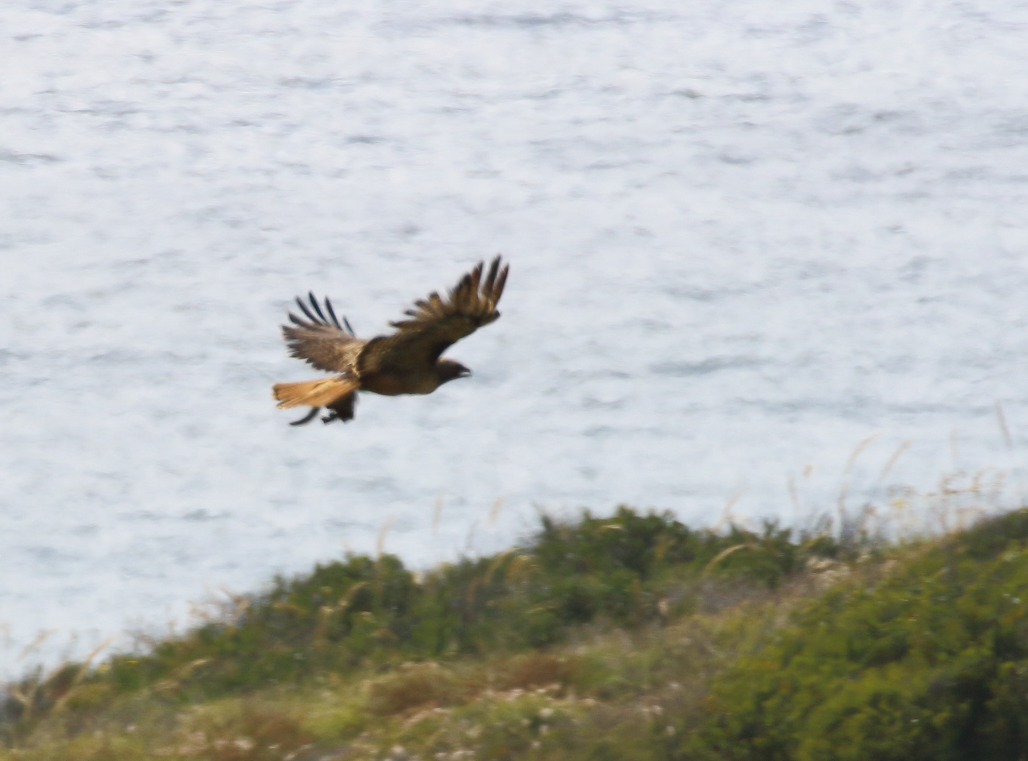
(335, 320)
(325, 345)
(434, 323)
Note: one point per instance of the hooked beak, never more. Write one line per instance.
(464, 373)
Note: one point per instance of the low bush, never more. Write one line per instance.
(631, 638)
(921, 659)
(624, 570)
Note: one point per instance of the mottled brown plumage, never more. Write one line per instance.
(406, 362)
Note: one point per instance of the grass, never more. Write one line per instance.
(624, 637)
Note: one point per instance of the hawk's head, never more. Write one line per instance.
(448, 370)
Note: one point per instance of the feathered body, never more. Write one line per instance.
(405, 362)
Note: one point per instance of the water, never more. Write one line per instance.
(745, 236)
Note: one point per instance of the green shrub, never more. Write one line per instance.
(569, 648)
(616, 571)
(929, 661)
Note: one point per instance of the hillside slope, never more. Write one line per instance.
(629, 637)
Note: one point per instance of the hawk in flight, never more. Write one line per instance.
(406, 362)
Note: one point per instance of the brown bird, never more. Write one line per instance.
(406, 362)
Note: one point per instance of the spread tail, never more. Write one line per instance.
(322, 392)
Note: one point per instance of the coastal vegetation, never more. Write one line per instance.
(622, 637)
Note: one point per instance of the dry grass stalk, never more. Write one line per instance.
(380, 540)
(723, 554)
(494, 511)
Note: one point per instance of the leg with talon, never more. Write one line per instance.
(308, 417)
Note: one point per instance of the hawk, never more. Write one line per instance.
(406, 362)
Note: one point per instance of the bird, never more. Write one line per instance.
(404, 362)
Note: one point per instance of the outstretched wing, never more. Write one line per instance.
(435, 323)
(322, 341)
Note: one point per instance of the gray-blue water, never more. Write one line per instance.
(745, 236)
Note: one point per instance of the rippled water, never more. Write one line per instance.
(745, 237)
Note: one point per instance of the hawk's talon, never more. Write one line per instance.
(308, 417)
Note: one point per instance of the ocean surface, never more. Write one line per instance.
(767, 259)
